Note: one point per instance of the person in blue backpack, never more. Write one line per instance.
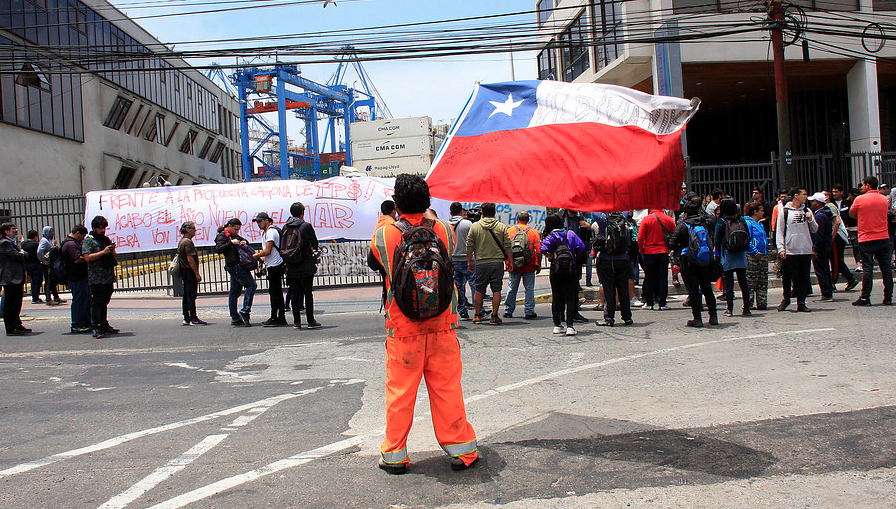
(564, 248)
(757, 256)
(694, 243)
(732, 241)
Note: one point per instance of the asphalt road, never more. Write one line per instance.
(781, 410)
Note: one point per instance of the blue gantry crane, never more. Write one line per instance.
(281, 88)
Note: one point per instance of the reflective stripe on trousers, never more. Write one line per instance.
(436, 357)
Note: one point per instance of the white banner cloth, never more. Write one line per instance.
(149, 219)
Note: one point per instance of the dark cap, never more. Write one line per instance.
(234, 221)
(260, 216)
(883, 186)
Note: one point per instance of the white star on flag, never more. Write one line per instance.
(505, 107)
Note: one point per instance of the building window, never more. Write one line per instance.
(216, 154)
(77, 16)
(160, 128)
(187, 146)
(206, 147)
(124, 178)
(118, 113)
(574, 44)
(546, 64)
(40, 4)
(544, 8)
(606, 20)
(31, 76)
(171, 134)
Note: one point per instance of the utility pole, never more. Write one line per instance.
(785, 155)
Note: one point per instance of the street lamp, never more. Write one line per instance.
(156, 181)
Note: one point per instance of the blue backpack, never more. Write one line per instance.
(699, 250)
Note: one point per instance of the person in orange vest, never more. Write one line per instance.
(421, 348)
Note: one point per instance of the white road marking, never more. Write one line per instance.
(112, 442)
(305, 457)
(160, 474)
(215, 371)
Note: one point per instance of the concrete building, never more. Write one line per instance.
(85, 104)
(842, 100)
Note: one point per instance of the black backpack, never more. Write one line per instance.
(564, 262)
(618, 235)
(737, 236)
(56, 263)
(422, 272)
(291, 244)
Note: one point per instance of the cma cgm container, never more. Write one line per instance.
(415, 165)
(392, 147)
(391, 128)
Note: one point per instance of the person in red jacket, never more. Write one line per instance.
(655, 227)
(418, 349)
(527, 272)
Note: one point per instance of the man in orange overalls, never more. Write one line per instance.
(421, 348)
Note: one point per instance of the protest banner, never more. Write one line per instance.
(149, 219)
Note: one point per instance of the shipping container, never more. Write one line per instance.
(415, 165)
(391, 128)
(393, 147)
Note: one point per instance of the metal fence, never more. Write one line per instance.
(344, 263)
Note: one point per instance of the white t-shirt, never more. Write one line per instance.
(274, 259)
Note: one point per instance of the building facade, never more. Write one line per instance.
(86, 104)
(842, 87)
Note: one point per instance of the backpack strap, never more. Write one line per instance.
(500, 246)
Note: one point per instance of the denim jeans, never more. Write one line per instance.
(80, 303)
(36, 273)
(462, 278)
(240, 278)
(528, 279)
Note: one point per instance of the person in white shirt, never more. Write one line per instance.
(270, 253)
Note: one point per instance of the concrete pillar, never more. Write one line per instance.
(864, 108)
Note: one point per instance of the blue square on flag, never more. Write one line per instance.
(500, 107)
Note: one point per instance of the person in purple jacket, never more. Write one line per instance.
(564, 248)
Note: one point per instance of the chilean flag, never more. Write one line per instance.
(586, 147)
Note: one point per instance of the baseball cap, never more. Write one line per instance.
(819, 197)
(882, 186)
(260, 216)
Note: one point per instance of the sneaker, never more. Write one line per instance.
(237, 323)
(52, 303)
(558, 330)
(824, 298)
(297, 326)
(97, 334)
(197, 321)
(803, 308)
(858, 268)
(80, 330)
(628, 321)
(458, 464)
(728, 313)
(508, 315)
(887, 302)
(605, 323)
(862, 302)
(270, 322)
(16, 333)
(783, 305)
(57, 300)
(24, 330)
(38, 301)
(533, 316)
(664, 307)
(570, 331)
(581, 319)
(245, 317)
(477, 319)
(495, 320)
(695, 323)
(464, 317)
(486, 313)
(314, 325)
(187, 322)
(851, 285)
(394, 469)
(636, 303)
(648, 307)
(108, 329)
(582, 299)
(599, 307)
(747, 312)
(713, 320)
